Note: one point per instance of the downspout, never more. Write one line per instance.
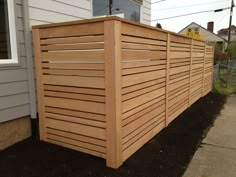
(30, 69)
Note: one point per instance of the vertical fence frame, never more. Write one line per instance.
(167, 79)
(190, 73)
(203, 72)
(112, 48)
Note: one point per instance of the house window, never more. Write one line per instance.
(8, 44)
(126, 8)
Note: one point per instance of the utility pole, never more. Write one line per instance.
(230, 20)
(110, 7)
(229, 30)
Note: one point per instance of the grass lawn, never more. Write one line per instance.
(221, 88)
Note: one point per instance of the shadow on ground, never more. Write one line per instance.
(166, 155)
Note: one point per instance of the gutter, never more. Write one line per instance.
(30, 68)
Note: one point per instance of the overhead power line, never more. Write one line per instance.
(213, 2)
(220, 20)
(158, 1)
(217, 10)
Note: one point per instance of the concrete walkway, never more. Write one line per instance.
(217, 156)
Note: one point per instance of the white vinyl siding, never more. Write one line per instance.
(52, 11)
(14, 90)
(146, 12)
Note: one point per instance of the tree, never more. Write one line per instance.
(231, 50)
(158, 25)
(220, 56)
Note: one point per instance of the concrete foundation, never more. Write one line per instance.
(14, 131)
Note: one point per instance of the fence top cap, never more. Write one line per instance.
(102, 19)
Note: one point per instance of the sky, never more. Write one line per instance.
(169, 8)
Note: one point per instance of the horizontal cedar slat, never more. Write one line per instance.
(77, 143)
(76, 128)
(79, 105)
(89, 56)
(179, 49)
(180, 39)
(142, 86)
(66, 40)
(177, 99)
(172, 65)
(77, 148)
(198, 43)
(178, 84)
(174, 115)
(137, 64)
(195, 54)
(138, 109)
(172, 93)
(72, 30)
(200, 65)
(142, 91)
(76, 136)
(142, 55)
(73, 47)
(139, 100)
(173, 44)
(94, 98)
(74, 72)
(142, 112)
(77, 81)
(139, 143)
(77, 120)
(141, 46)
(138, 31)
(142, 130)
(65, 65)
(155, 113)
(75, 113)
(176, 55)
(179, 70)
(143, 77)
(142, 69)
(178, 78)
(175, 94)
(88, 91)
(142, 40)
(179, 60)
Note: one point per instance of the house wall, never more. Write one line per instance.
(146, 12)
(52, 11)
(14, 86)
(14, 131)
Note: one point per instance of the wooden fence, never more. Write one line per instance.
(107, 86)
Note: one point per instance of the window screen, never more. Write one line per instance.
(5, 49)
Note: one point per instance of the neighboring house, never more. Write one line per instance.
(196, 31)
(225, 31)
(17, 81)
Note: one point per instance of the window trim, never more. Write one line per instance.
(13, 36)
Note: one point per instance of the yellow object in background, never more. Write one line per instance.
(194, 33)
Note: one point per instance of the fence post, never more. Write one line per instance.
(112, 49)
(39, 83)
(203, 72)
(167, 79)
(190, 72)
(213, 55)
